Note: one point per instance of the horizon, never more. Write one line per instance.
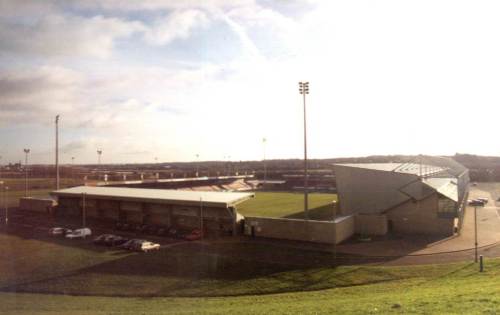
(168, 81)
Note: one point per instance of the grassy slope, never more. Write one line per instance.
(461, 291)
(66, 267)
(290, 205)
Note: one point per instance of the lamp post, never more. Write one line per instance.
(26, 151)
(57, 152)
(73, 168)
(99, 153)
(6, 190)
(264, 140)
(197, 164)
(475, 234)
(303, 90)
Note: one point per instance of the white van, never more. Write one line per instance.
(79, 233)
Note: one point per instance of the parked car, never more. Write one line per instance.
(101, 239)
(131, 243)
(115, 240)
(195, 235)
(59, 231)
(79, 233)
(145, 246)
(483, 199)
(476, 202)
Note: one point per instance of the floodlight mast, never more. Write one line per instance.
(26, 151)
(264, 140)
(99, 153)
(304, 89)
(57, 152)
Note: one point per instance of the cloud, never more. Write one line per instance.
(177, 25)
(65, 35)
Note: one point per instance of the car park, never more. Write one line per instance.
(79, 233)
(59, 231)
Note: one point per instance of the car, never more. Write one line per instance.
(483, 199)
(59, 231)
(145, 246)
(102, 239)
(195, 235)
(476, 202)
(115, 240)
(79, 233)
(131, 243)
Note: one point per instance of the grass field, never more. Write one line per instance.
(288, 205)
(38, 187)
(76, 277)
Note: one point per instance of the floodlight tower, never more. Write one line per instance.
(57, 152)
(197, 164)
(72, 168)
(264, 140)
(26, 151)
(99, 153)
(304, 89)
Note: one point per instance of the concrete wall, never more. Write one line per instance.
(371, 224)
(299, 230)
(420, 218)
(344, 228)
(36, 204)
(369, 191)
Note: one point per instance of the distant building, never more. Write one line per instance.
(409, 198)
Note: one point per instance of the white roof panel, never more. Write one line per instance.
(158, 195)
(405, 168)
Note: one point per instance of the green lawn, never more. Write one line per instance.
(43, 275)
(14, 196)
(288, 205)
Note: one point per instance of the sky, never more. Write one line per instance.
(148, 81)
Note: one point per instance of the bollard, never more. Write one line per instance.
(481, 263)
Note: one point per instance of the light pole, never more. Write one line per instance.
(264, 140)
(99, 153)
(57, 152)
(6, 190)
(73, 169)
(304, 89)
(26, 151)
(475, 234)
(197, 164)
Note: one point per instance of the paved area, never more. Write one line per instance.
(454, 248)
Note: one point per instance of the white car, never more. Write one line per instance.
(147, 246)
(79, 233)
(59, 231)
